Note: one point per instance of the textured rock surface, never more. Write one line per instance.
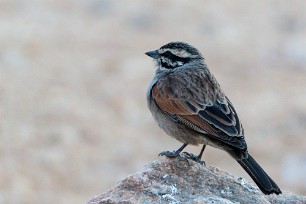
(181, 181)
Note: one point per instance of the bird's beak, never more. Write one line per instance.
(154, 54)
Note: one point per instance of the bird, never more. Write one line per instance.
(188, 103)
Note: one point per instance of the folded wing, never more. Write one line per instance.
(197, 109)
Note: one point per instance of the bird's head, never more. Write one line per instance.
(175, 54)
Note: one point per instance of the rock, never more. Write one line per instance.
(184, 181)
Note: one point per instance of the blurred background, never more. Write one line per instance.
(73, 78)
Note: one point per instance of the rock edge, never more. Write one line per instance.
(178, 180)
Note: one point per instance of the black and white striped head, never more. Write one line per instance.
(174, 54)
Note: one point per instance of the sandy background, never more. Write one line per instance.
(73, 77)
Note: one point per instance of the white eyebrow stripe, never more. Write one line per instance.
(178, 52)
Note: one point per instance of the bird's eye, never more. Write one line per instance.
(169, 55)
(175, 58)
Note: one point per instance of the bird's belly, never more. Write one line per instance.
(177, 130)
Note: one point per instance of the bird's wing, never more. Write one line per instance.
(191, 106)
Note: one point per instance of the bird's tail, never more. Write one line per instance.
(260, 177)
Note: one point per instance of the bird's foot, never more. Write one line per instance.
(193, 157)
(170, 154)
(173, 154)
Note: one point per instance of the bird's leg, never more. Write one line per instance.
(194, 157)
(173, 153)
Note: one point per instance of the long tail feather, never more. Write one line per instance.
(260, 177)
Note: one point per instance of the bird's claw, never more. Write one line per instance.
(169, 154)
(173, 154)
(193, 157)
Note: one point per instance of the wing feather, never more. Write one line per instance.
(216, 118)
